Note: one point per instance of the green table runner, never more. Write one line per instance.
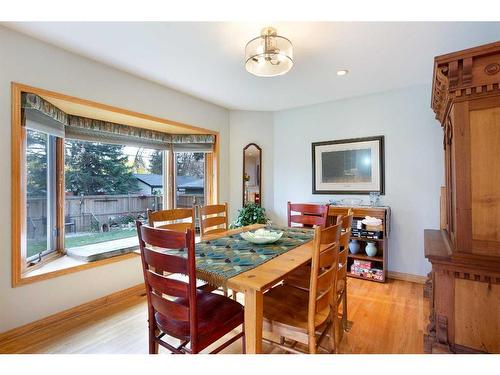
(220, 259)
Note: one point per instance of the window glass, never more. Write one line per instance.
(190, 179)
(108, 187)
(40, 202)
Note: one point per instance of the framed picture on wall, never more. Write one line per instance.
(348, 166)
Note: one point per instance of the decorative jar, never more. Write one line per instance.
(354, 246)
(371, 250)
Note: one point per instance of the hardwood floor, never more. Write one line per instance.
(387, 318)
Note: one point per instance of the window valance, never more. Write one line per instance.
(44, 116)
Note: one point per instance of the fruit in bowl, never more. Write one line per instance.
(261, 236)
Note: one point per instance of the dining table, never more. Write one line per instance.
(254, 282)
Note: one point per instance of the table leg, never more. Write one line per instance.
(253, 321)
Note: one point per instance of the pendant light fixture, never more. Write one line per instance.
(269, 54)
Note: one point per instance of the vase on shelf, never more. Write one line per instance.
(354, 246)
(374, 198)
(370, 249)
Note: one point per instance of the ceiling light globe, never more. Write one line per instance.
(269, 54)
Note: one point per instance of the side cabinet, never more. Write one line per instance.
(465, 252)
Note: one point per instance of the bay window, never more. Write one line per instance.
(79, 184)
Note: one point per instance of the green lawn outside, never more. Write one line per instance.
(34, 247)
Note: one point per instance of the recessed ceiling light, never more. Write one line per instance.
(342, 72)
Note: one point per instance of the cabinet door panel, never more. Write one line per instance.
(485, 180)
(477, 315)
(449, 168)
(460, 177)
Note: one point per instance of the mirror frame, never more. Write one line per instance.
(260, 174)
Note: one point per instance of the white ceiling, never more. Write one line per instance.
(206, 59)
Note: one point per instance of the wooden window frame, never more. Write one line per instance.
(19, 273)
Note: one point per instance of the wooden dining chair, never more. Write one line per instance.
(300, 277)
(213, 219)
(299, 315)
(178, 309)
(174, 219)
(307, 214)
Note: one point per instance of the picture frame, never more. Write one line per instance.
(348, 166)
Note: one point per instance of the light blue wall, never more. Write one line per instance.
(413, 161)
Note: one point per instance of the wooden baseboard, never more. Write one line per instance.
(407, 277)
(91, 306)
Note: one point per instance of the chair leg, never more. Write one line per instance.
(312, 343)
(339, 331)
(312, 348)
(332, 333)
(243, 341)
(153, 344)
(344, 309)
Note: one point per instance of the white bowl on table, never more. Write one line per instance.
(261, 236)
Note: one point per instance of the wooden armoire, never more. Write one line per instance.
(464, 283)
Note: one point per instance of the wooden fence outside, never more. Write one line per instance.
(83, 211)
(90, 213)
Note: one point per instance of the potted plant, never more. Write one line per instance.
(251, 213)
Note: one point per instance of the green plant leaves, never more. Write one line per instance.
(251, 213)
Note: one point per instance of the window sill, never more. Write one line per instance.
(82, 258)
(64, 265)
(103, 250)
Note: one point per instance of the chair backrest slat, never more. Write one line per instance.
(214, 231)
(169, 309)
(170, 215)
(323, 300)
(164, 238)
(213, 209)
(213, 219)
(163, 285)
(177, 227)
(173, 219)
(309, 214)
(305, 220)
(325, 279)
(327, 256)
(165, 262)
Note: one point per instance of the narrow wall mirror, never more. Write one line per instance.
(252, 174)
